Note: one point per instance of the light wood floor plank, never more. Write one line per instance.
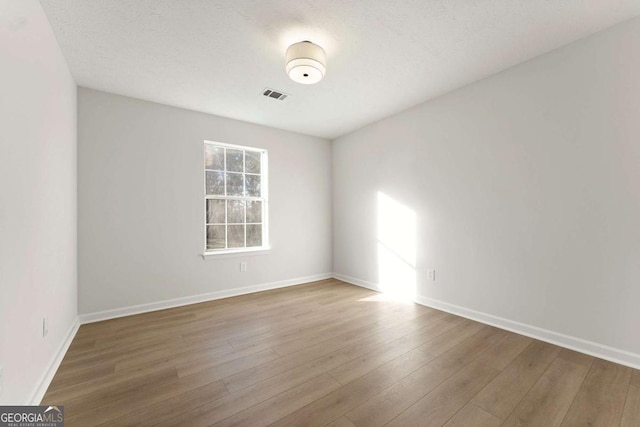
(548, 401)
(341, 401)
(444, 401)
(125, 390)
(379, 356)
(386, 334)
(600, 401)
(471, 415)
(117, 412)
(385, 406)
(501, 396)
(209, 412)
(279, 406)
(222, 367)
(252, 376)
(329, 353)
(503, 353)
(341, 422)
(631, 414)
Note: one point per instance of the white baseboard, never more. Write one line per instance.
(177, 302)
(578, 344)
(358, 282)
(45, 380)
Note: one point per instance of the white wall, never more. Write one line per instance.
(140, 195)
(525, 188)
(38, 199)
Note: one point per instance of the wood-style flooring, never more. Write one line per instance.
(330, 354)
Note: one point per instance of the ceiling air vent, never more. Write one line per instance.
(270, 93)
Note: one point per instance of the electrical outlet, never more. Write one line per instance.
(1, 379)
(45, 326)
(431, 274)
(243, 266)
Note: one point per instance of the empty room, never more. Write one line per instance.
(330, 213)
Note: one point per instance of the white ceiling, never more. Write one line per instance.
(384, 56)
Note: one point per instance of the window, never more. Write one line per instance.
(235, 198)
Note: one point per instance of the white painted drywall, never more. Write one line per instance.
(38, 198)
(140, 196)
(525, 188)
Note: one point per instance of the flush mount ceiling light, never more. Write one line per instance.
(306, 62)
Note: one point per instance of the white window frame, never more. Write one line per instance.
(264, 187)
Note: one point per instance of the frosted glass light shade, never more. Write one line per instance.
(306, 62)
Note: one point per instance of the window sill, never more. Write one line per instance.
(235, 253)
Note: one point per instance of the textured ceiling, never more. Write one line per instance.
(383, 56)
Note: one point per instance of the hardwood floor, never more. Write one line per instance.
(330, 354)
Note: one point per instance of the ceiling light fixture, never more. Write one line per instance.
(306, 62)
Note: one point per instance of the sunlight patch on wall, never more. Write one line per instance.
(396, 248)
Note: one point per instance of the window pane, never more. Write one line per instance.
(215, 183)
(235, 212)
(215, 237)
(254, 211)
(233, 175)
(235, 184)
(235, 239)
(215, 211)
(234, 160)
(254, 235)
(252, 162)
(213, 157)
(253, 186)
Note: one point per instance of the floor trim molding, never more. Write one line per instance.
(45, 380)
(578, 344)
(178, 302)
